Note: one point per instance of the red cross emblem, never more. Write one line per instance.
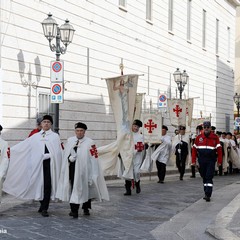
(150, 125)
(94, 151)
(139, 146)
(177, 110)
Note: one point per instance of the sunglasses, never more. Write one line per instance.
(206, 127)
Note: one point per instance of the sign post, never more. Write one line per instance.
(57, 81)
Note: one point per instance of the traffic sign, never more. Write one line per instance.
(56, 71)
(56, 92)
(162, 101)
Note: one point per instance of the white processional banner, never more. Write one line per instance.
(122, 93)
(152, 127)
(177, 111)
(138, 106)
(189, 110)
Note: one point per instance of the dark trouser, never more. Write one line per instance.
(46, 185)
(161, 167)
(181, 165)
(207, 168)
(193, 170)
(75, 207)
(220, 169)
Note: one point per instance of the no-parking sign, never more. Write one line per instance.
(162, 101)
(56, 71)
(56, 92)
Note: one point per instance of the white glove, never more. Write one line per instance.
(72, 158)
(46, 156)
(73, 153)
(89, 182)
(179, 150)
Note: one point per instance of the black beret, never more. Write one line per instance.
(224, 133)
(80, 125)
(206, 124)
(182, 128)
(229, 133)
(213, 127)
(137, 122)
(48, 117)
(199, 127)
(218, 132)
(165, 127)
(1, 128)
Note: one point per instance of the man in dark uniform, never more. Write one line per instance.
(207, 148)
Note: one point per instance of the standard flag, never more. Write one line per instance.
(177, 111)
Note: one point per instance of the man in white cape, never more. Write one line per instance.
(162, 154)
(35, 166)
(137, 158)
(81, 175)
(4, 161)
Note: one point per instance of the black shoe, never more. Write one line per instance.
(40, 210)
(75, 215)
(127, 193)
(181, 178)
(45, 213)
(86, 212)
(159, 181)
(192, 176)
(208, 199)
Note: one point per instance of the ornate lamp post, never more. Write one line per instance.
(236, 99)
(63, 33)
(181, 79)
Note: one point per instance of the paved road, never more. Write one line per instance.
(155, 213)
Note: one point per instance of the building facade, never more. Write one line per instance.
(150, 38)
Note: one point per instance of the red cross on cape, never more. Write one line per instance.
(94, 151)
(139, 146)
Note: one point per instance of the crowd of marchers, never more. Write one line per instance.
(41, 168)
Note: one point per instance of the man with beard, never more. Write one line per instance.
(207, 148)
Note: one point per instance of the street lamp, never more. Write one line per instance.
(63, 33)
(236, 99)
(181, 79)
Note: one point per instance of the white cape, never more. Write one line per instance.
(87, 169)
(25, 173)
(4, 162)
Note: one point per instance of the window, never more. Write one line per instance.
(228, 44)
(217, 35)
(204, 29)
(189, 11)
(123, 3)
(170, 15)
(45, 106)
(149, 10)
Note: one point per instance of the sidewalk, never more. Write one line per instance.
(215, 218)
